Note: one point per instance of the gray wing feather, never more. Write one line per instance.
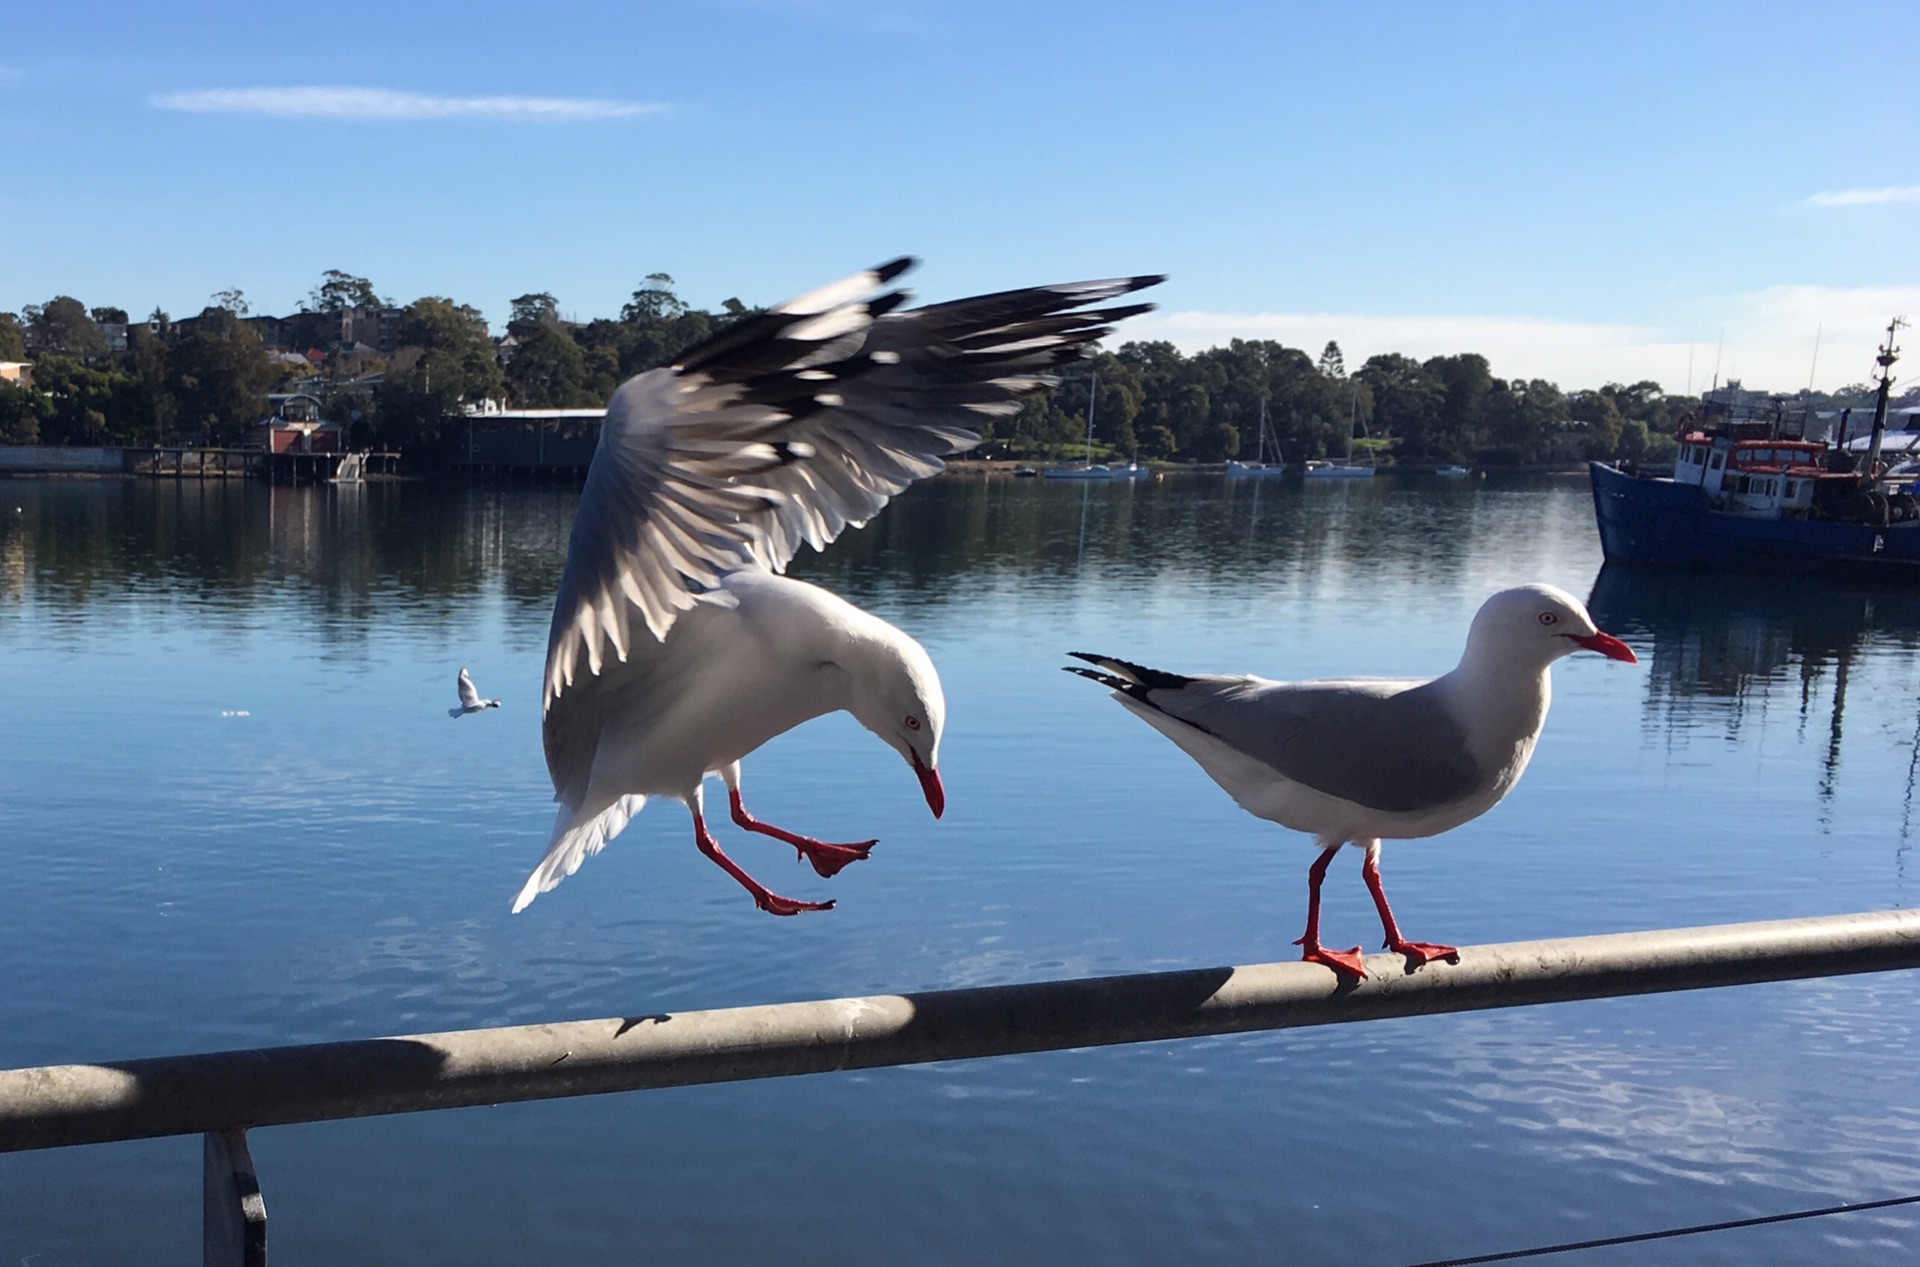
(786, 429)
(1387, 745)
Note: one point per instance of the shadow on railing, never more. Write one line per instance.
(223, 1094)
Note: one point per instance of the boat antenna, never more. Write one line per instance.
(1716, 358)
(1888, 355)
(1816, 354)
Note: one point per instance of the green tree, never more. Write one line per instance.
(1191, 414)
(1596, 413)
(356, 407)
(89, 406)
(61, 327)
(1644, 402)
(446, 360)
(1217, 442)
(232, 300)
(218, 375)
(1461, 425)
(13, 344)
(1406, 404)
(338, 291)
(1521, 417)
(149, 364)
(654, 301)
(1332, 363)
(1634, 440)
(23, 412)
(530, 312)
(548, 370)
(655, 326)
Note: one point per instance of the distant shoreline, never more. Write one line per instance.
(108, 463)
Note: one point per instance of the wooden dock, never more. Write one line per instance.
(191, 462)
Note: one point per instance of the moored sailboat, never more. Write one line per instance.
(1259, 466)
(1346, 468)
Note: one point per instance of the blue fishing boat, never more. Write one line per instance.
(1755, 488)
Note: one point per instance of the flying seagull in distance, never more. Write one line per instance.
(677, 648)
(1361, 760)
(470, 701)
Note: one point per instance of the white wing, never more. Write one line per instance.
(469, 698)
(789, 427)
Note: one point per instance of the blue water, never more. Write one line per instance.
(236, 813)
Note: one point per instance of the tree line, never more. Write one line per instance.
(100, 378)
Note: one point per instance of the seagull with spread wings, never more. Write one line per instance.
(470, 701)
(677, 648)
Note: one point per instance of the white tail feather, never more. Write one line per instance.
(573, 844)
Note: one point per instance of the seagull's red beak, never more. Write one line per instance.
(930, 784)
(1608, 646)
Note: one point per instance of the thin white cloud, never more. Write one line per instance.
(1768, 341)
(1877, 196)
(387, 104)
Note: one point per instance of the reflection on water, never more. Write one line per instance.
(237, 814)
(1719, 650)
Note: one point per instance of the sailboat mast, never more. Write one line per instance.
(1093, 391)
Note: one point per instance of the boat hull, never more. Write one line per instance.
(1657, 521)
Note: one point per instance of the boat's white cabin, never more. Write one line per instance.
(1751, 477)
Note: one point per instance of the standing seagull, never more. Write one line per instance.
(787, 427)
(1359, 760)
(470, 701)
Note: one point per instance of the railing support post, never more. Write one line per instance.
(233, 1225)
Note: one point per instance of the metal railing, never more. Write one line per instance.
(223, 1094)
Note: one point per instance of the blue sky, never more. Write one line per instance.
(1582, 192)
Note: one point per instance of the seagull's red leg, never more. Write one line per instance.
(1417, 952)
(763, 898)
(826, 859)
(1312, 951)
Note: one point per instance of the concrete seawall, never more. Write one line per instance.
(35, 459)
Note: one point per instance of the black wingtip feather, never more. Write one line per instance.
(1094, 675)
(1114, 315)
(894, 267)
(1140, 691)
(887, 303)
(1148, 679)
(1118, 685)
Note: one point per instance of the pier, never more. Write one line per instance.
(196, 462)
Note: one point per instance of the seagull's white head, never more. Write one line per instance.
(896, 695)
(1534, 625)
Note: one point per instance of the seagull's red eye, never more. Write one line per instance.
(1548, 618)
(913, 723)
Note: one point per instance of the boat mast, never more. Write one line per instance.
(1888, 355)
(1092, 391)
